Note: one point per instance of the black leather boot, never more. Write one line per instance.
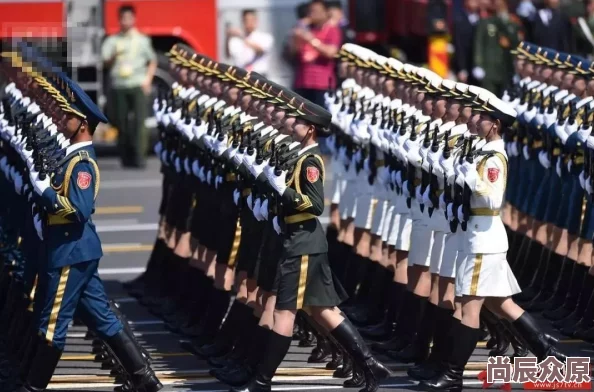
(130, 357)
(385, 328)
(541, 344)
(274, 353)
(440, 351)
(561, 285)
(586, 323)
(243, 370)
(537, 275)
(410, 303)
(418, 350)
(357, 379)
(517, 342)
(567, 326)
(349, 338)
(546, 288)
(451, 379)
(336, 360)
(570, 303)
(346, 370)
(43, 366)
(322, 350)
(497, 331)
(225, 338)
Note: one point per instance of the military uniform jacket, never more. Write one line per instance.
(303, 202)
(70, 201)
(486, 232)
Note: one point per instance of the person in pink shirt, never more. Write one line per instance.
(314, 50)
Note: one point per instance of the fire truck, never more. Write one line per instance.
(72, 32)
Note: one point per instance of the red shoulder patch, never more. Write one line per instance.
(493, 174)
(83, 180)
(313, 174)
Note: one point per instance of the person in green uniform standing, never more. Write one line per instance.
(495, 36)
(132, 62)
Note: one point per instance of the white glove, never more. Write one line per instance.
(526, 153)
(478, 73)
(530, 114)
(158, 148)
(450, 209)
(164, 157)
(236, 197)
(187, 168)
(589, 185)
(276, 226)
(221, 146)
(558, 167)
(209, 177)
(278, 182)
(426, 199)
(460, 214)
(515, 150)
(264, 209)
(569, 165)
(256, 169)
(414, 157)
(38, 226)
(18, 183)
(447, 166)
(177, 164)
(174, 117)
(200, 130)
(249, 202)
(256, 210)
(550, 118)
(202, 174)
(218, 180)
(470, 174)
(249, 160)
(196, 168)
(39, 185)
(582, 180)
(543, 157)
(238, 158)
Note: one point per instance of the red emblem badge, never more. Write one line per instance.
(493, 174)
(83, 180)
(313, 174)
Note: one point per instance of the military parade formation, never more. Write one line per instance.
(445, 200)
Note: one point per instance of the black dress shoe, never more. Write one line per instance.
(308, 340)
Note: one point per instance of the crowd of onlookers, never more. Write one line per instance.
(485, 30)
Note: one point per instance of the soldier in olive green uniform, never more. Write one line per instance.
(493, 62)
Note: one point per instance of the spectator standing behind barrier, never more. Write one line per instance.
(314, 50)
(132, 62)
(495, 36)
(464, 28)
(584, 28)
(336, 15)
(551, 28)
(250, 48)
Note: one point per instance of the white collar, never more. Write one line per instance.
(73, 147)
(304, 149)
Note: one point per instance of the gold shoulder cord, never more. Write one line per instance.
(70, 169)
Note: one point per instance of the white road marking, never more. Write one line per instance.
(131, 184)
(130, 227)
(121, 271)
(146, 322)
(80, 335)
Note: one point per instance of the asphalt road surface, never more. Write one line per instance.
(126, 220)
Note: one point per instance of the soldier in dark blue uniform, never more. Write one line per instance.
(68, 279)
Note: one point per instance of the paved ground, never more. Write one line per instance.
(126, 219)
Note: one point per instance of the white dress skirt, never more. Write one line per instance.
(447, 269)
(486, 275)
